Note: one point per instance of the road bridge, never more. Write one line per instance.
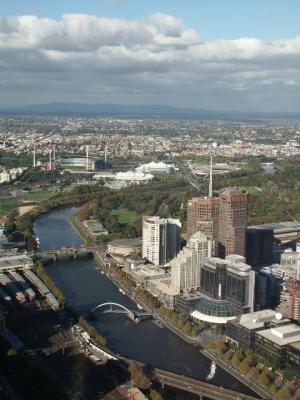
(202, 389)
(74, 252)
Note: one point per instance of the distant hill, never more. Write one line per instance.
(121, 110)
(99, 109)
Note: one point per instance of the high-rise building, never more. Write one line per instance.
(232, 222)
(186, 266)
(259, 246)
(227, 288)
(161, 239)
(203, 216)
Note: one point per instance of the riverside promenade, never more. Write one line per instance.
(195, 341)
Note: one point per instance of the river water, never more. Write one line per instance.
(84, 288)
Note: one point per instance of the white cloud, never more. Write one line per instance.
(155, 59)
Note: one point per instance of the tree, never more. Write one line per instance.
(284, 393)
(12, 353)
(253, 374)
(236, 359)
(138, 376)
(154, 395)
(31, 244)
(297, 394)
(245, 365)
(263, 378)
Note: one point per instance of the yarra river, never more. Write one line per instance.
(84, 288)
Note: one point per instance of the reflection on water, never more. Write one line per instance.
(85, 288)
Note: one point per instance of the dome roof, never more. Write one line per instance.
(215, 308)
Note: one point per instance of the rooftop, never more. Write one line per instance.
(278, 226)
(14, 261)
(257, 319)
(215, 308)
(282, 335)
(295, 345)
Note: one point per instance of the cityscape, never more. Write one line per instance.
(149, 202)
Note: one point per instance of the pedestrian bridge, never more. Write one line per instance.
(111, 307)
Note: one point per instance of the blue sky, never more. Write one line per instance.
(212, 19)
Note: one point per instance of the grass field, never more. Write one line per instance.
(40, 195)
(7, 205)
(254, 190)
(125, 216)
(166, 177)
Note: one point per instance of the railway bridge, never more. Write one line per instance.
(202, 389)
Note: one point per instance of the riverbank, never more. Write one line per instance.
(195, 341)
(85, 288)
(77, 228)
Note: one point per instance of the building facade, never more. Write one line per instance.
(259, 246)
(186, 267)
(232, 222)
(223, 219)
(203, 216)
(272, 343)
(161, 239)
(227, 288)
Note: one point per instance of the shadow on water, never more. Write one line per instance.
(85, 288)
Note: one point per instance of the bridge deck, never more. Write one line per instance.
(198, 387)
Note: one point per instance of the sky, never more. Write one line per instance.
(223, 55)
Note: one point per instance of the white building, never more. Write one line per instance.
(290, 262)
(156, 167)
(133, 177)
(4, 177)
(186, 267)
(161, 239)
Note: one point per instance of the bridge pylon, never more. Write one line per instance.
(75, 254)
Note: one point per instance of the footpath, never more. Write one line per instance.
(195, 341)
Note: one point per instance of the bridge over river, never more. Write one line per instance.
(111, 307)
(72, 251)
(202, 389)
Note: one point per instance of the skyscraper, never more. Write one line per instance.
(161, 239)
(229, 280)
(186, 266)
(232, 222)
(203, 215)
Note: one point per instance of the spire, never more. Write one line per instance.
(210, 179)
(34, 157)
(50, 159)
(87, 157)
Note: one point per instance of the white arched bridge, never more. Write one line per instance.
(119, 308)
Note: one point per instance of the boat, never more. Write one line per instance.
(212, 371)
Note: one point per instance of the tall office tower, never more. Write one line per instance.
(186, 266)
(203, 215)
(229, 280)
(259, 246)
(161, 239)
(232, 222)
